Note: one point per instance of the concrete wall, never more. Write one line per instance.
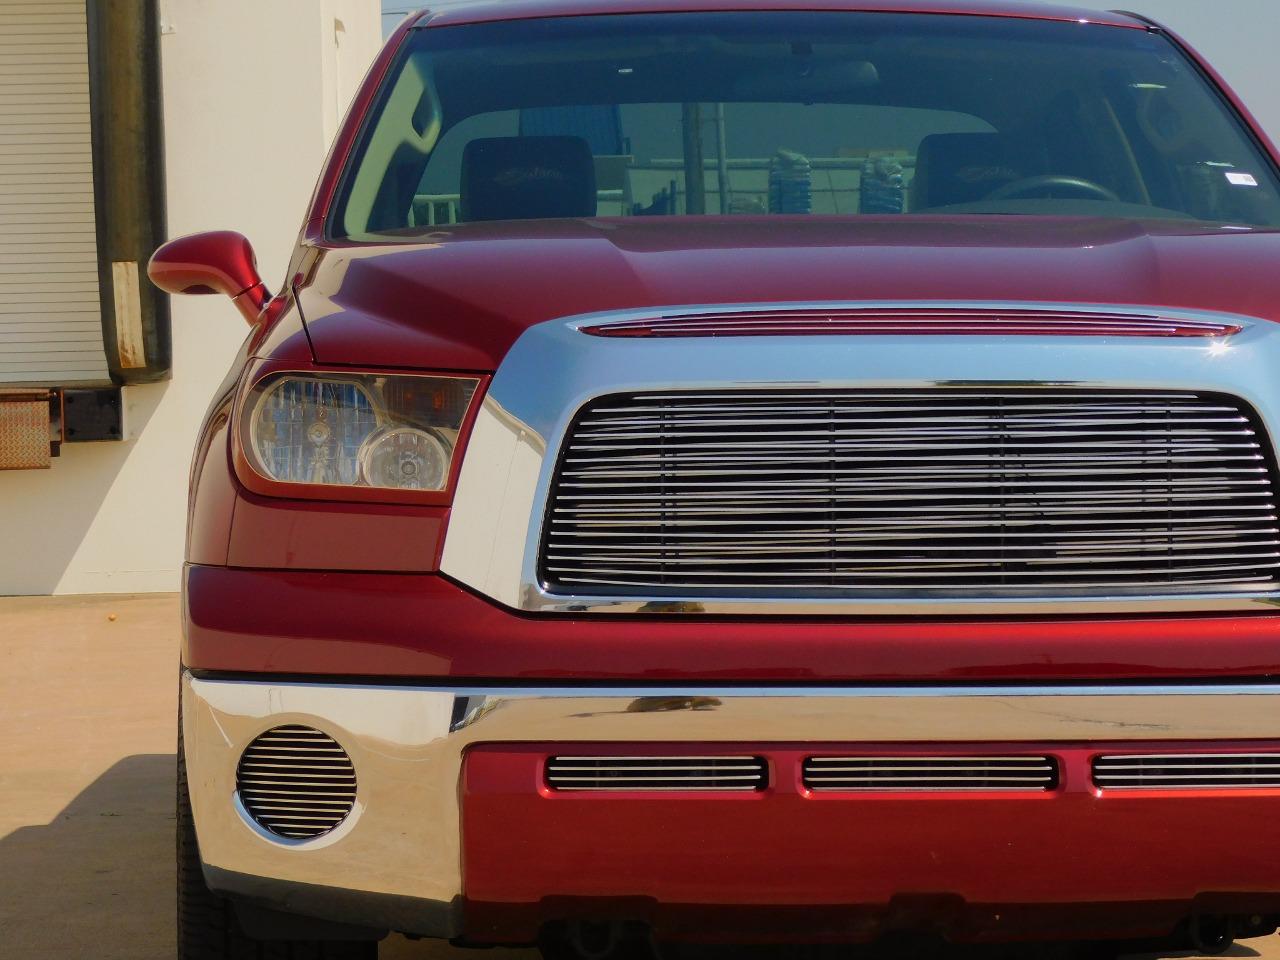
(253, 93)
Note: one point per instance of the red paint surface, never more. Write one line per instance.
(422, 626)
(220, 261)
(303, 535)
(282, 338)
(213, 494)
(980, 865)
(435, 305)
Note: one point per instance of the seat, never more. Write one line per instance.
(527, 178)
(956, 168)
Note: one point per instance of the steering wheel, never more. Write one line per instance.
(1052, 184)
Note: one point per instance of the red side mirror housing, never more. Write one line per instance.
(220, 261)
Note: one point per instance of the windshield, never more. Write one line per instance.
(825, 114)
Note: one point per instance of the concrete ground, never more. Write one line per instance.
(87, 709)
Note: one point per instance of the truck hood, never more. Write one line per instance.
(457, 298)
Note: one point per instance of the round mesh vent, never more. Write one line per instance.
(296, 782)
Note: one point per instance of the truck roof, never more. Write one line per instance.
(451, 12)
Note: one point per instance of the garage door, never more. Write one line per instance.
(50, 318)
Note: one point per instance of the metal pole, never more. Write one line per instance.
(695, 191)
(722, 160)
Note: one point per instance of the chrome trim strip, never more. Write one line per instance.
(407, 745)
(553, 370)
(932, 772)
(939, 307)
(1167, 771)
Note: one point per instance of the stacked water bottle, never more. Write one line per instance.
(790, 183)
(882, 186)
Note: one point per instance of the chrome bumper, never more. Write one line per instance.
(395, 862)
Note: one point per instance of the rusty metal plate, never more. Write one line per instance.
(24, 433)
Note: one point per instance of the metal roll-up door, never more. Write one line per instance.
(50, 311)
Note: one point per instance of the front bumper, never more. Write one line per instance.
(454, 833)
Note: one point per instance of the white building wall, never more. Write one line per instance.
(253, 93)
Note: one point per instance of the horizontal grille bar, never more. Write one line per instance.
(905, 321)
(1184, 771)
(966, 492)
(656, 773)
(930, 773)
(296, 782)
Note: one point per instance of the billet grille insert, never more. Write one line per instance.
(296, 782)
(930, 773)
(946, 492)
(657, 773)
(1185, 771)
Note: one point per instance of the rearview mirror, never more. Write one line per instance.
(220, 261)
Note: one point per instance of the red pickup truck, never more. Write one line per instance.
(772, 472)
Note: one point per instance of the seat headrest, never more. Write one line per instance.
(960, 168)
(527, 178)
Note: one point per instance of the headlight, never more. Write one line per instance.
(406, 457)
(373, 431)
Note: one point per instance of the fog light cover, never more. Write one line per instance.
(388, 432)
(296, 782)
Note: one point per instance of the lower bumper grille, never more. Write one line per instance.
(940, 773)
(656, 773)
(1182, 771)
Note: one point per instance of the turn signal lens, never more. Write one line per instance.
(361, 430)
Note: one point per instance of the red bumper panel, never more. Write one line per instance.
(788, 863)
(403, 625)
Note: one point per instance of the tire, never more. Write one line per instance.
(207, 925)
(564, 941)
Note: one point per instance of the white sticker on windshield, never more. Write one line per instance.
(1241, 179)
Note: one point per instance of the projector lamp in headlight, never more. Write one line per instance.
(407, 458)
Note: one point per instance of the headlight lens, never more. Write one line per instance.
(362, 430)
(405, 457)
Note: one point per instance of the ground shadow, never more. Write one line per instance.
(97, 881)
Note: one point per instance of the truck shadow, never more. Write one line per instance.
(97, 880)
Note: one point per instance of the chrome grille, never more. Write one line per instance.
(656, 773)
(1180, 771)
(296, 782)
(893, 774)
(882, 493)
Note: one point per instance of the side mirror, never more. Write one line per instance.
(220, 261)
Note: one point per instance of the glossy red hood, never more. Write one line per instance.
(457, 299)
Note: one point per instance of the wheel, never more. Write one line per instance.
(207, 925)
